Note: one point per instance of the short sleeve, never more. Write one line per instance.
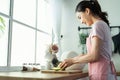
(98, 30)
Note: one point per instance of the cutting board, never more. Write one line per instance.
(65, 72)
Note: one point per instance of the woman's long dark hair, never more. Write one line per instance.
(95, 8)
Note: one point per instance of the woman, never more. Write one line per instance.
(98, 43)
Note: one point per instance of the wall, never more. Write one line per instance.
(113, 10)
(69, 26)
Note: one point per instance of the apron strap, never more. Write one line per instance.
(113, 69)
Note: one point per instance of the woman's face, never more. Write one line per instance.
(85, 18)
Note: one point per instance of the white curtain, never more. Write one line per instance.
(56, 11)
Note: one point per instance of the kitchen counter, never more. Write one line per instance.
(40, 76)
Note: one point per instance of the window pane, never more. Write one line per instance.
(23, 45)
(3, 43)
(44, 16)
(4, 6)
(43, 40)
(24, 11)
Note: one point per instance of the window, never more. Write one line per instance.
(28, 31)
(25, 11)
(42, 42)
(4, 43)
(23, 45)
(4, 6)
(44, 16)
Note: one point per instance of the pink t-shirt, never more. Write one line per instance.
(101, 30)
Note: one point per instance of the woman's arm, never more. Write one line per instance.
(90, 56)
(86, 58)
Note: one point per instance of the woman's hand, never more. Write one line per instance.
(66, 63)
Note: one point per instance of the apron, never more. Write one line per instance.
(103, 69)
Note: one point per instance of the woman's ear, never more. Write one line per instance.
(87, 10)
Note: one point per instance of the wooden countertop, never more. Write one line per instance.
(40, 76)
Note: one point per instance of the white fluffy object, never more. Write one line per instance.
(71, 54)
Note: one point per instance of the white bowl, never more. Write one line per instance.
(71, 54)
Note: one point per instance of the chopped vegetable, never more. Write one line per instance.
(57, 68)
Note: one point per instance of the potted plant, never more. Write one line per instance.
(83, 37)
(82, 40)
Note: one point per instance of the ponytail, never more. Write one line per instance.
(104, 16)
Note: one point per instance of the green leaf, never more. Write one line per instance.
(2, 24)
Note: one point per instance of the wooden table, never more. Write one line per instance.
(40, 76)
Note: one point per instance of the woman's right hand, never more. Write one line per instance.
(66, 63)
